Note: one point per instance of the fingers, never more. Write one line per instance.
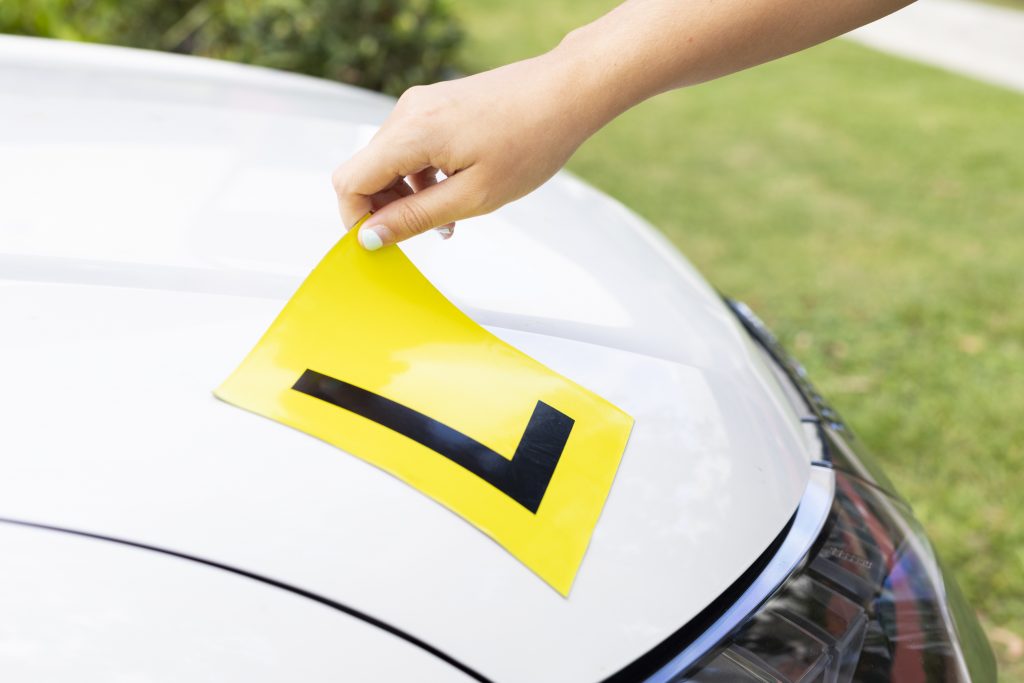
(384, 197)
(424, 179)
(428, 178)
(437, 205)
(404, 189)
(377, 168)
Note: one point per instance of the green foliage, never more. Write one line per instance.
(386, 45)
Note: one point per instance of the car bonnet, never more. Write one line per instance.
(157, 213)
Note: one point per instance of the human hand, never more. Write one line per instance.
(495, 136)
(498, 135)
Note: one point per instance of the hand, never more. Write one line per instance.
(498, 135)
(495, 136)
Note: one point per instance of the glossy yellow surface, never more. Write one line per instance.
(374, 321)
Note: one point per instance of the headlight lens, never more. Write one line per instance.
(868, 604)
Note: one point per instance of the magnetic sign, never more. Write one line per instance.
(370, 357)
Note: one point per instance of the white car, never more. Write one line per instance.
(156, 212)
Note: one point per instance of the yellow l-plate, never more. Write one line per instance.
(370, 357)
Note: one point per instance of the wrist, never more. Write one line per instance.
(589, 83)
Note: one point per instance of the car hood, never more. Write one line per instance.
(157, 213)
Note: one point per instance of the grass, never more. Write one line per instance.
(872, 211)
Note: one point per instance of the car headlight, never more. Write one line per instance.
(868, 604)
(850, 591)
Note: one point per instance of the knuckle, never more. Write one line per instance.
(412, 98)
(339, 180)
(483, 199)
(413, 219)
(479, 197)
(424, 100)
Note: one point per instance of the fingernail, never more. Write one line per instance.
(370, 238)
(446, 231)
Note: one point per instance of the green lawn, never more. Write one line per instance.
(872, 211)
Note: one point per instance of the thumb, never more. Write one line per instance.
(432, 207)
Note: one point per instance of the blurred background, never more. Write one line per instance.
(384, 45)
(869, 207)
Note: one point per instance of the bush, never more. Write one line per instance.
(386, 45)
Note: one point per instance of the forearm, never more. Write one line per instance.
(645, 47)
(499, 134)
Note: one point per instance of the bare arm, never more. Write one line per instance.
(498, 135)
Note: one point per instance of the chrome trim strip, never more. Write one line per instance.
(811, 515)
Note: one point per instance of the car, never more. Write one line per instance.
(159, 210)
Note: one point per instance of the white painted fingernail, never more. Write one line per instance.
(370, 239)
